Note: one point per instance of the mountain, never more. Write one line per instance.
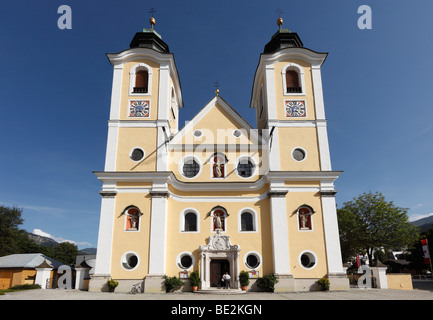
(424, 223)
(42, 241)
(87, 251)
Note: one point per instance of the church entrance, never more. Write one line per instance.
(217, 269)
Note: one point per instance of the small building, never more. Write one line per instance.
(19, 269)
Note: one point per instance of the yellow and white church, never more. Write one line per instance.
(218, 195)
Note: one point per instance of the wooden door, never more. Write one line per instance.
(215, 273)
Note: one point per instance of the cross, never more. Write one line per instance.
(217, 85)
(279, 11)
(152, 11)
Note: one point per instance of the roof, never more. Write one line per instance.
(27, 261)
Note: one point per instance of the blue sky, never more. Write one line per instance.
(55, 88)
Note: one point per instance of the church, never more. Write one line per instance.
(218, 195)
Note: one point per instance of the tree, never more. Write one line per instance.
(12, 239)
(369, 222)
(65, 252)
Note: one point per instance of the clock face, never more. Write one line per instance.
(295, 108)
(139, 108)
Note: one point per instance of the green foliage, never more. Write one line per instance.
(65, 252)
(369, 222)
(112, 283)
(25, 287)
(244, 278)
(194, 278)
(324, 284)
(267, 282)
(172, 283)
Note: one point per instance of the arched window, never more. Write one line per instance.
(190, 222)
(141, 81)
(218, 161)
(293, 79)
(132, 216)
(292, 82)
(247, 223)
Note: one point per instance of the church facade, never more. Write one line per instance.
(217, 195)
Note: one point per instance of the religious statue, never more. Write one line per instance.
(217, 169)
(218, 223)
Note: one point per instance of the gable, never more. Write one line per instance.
(216, 124)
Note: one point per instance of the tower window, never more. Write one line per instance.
(247, 222)
(292, 82)
(141, 81)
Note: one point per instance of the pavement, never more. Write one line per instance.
(351, 294)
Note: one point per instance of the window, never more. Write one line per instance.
(293, 79)
(132, 216)
(190, 222)
(299, 154)
(247, 222)
(308, 260)
(185, 260)
(137, 154)
(141, 81)
(252, 260)
(218, 161)
(190, 168)
(129, 261)
(292, 82)
(245, 167)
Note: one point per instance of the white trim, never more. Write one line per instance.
(132, 150)
(123, 260)
(182, 162)
(158, 236)
(310, 253)
(259, 257)
(300, 71)
(182, 220)
(255, 220)
(179, 257)
(138, 67)
(305, 152)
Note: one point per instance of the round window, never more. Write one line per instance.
(245, 168)
(186, 261)
(298, 154)
(129, 260)
(191, 168)
(252, 261)
(137, 154)
(198, 133)
(308, 260)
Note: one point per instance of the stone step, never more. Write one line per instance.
(220, 291)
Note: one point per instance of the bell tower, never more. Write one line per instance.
(144, 114)
(288, 98)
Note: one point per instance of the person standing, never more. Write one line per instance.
(226, 278)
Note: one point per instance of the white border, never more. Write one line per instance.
(300, 71)
(305, 151)
(259, 257)
(180, 255)
(132, 150)
(132, 73)
(314, 256)
(182, 162)
(255, 221)
(182, 220)
(123, 260)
